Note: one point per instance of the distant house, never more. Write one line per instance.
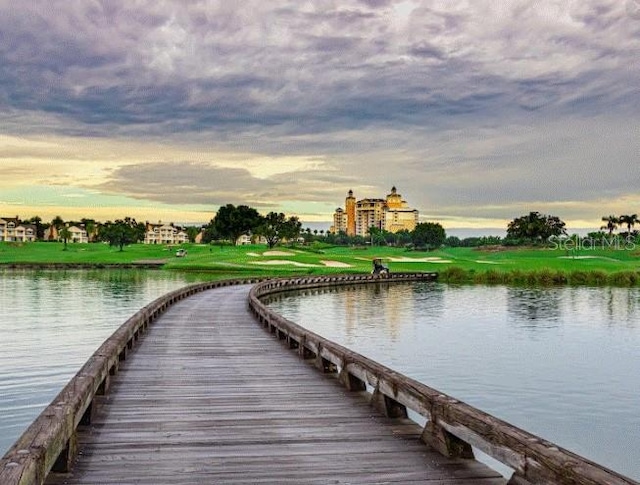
(51, 233)
(12, 230)
(165, 234)
(78, 234)
(199, 237)
(250, 239)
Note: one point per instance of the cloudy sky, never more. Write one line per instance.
(478, 112)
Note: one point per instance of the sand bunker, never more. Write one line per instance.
(589, 257)
(274, 262)
(419, 260)
(335, 264)
(278, 253)
(255, 255)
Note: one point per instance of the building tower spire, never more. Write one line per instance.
(350, 209)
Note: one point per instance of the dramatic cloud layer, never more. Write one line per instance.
(475, 111)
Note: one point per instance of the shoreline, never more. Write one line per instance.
(52, 265)
(543, 277)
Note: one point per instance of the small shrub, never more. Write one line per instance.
(598, 278)
(624, 278)
(454, 274)
(578, 277)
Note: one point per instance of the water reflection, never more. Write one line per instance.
(382, 306)
(52, 321)
(559, 362)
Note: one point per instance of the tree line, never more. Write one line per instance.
(231, 222)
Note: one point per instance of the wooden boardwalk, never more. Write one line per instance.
(208, 397)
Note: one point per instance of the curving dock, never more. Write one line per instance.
(206, 398)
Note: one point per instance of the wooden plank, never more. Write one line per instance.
(208, 397)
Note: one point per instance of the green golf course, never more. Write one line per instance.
(547, 266)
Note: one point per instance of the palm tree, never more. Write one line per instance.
(611, 223)
(57, 222)
(90, 227)
(65, 234)
(37, 221)
(629, 220)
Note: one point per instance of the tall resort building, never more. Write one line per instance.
(391, 214)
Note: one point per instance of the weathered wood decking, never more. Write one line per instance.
(208, 397)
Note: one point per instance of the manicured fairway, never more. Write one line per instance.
(494, 264)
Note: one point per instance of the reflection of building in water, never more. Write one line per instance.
(377, 305)
(397, 309)
(350, 311)
(391, 214)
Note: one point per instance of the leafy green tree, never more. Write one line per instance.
(402, 237)
(535, 227)
(376, 236)
(428, 235)
(270, 228)
(192, 233)
(231, 222)
(121, 232)
(210, 233)
(292, 229)
(453, 241)
(275, 227)
(340, 238)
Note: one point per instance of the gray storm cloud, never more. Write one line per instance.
(477, 104)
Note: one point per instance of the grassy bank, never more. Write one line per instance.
(460, 265)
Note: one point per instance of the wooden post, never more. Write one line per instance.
(388, 406)
(88, 415)
(351, 382)
(64, 462)
(518, 480)
(303, 351)
(324, 365)
(444, 442)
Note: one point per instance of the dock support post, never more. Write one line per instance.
(351, 382)
(65, 459)
(445, 443)
(388, 406)
(518, 480)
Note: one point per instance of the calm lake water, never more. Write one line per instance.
(562, 363)
(50, 324)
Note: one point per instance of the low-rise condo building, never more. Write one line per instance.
(13, 230)
(165, 234)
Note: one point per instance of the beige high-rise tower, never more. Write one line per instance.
(350, 209)
(391, 214)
